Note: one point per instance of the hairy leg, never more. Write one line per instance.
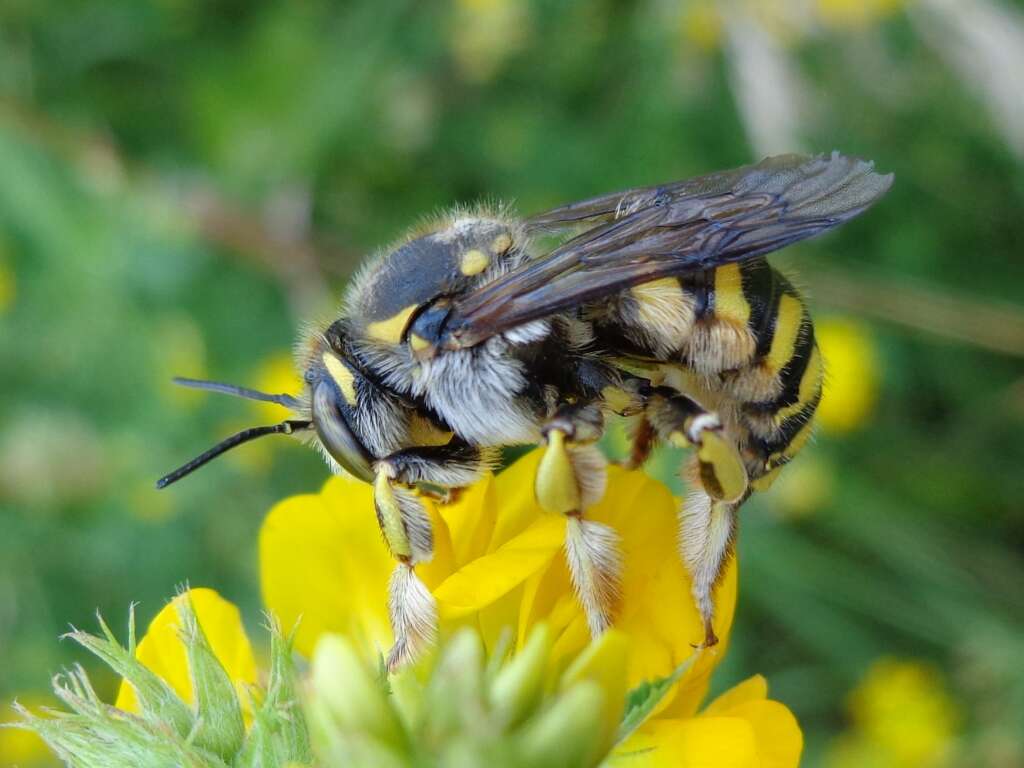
(571, 477)
(707, 521)
(407, 531)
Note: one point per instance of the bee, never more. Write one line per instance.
(655, 303)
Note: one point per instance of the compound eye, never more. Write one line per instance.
(427, 327)
(337, 438)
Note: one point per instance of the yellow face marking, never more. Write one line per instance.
(474, 262)
(390, 331)
(730, 304)
(389, 515)
(501, 244)
(787, 327)
(555, 484)
(342, 377)
(810, 385)
(423, 432)
(418, 343)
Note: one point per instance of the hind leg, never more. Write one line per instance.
(570, 478)
(707, 521)
(707, 530)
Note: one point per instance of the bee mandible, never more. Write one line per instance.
(655, 303)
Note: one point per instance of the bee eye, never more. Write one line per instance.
(337, 438)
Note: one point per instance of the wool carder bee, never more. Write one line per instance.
(655, 303)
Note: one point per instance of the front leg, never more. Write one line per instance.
(408, 533)
(571, 477)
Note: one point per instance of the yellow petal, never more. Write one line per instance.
(484, 580)
(442, 563)
(778, 736)
(162, 651)
(712, 742)
(513, 493)
(471, 520)
(322, 561)
(752, 689)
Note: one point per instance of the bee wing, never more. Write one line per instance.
(643, 234)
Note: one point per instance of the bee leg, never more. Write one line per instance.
(684, 423)
(644, 435)
(453, 465)
(707, 532)
(571, 477)
(707, 521)
(407, 531)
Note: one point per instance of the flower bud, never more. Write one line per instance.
(564, 735)
(219, 726)
(518, 686)
(348, 696)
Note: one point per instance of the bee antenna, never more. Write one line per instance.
(288, 401)
(284, 428)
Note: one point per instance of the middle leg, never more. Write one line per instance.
(570, 478)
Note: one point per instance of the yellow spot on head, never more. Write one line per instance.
(390, 331)
(342, 377)
(501, 244)
(474, 262)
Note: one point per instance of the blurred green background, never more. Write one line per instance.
(183, 183)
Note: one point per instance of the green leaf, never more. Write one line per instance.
(642, 700)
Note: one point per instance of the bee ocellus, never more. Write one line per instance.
(655, 304)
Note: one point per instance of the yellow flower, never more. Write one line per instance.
(851, 374)
(163, 652)
(742, 728)
(276, 374)
(498, 564)
(902, 717)
(179, 348)
(8, 287)
(701, 25)
(25, 748)
(485, 33)
(855, 13)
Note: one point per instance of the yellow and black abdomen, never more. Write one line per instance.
(740, 341)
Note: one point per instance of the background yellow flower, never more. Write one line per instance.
(851, 374)
(162, 650)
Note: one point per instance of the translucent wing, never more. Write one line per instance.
(643, 234)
